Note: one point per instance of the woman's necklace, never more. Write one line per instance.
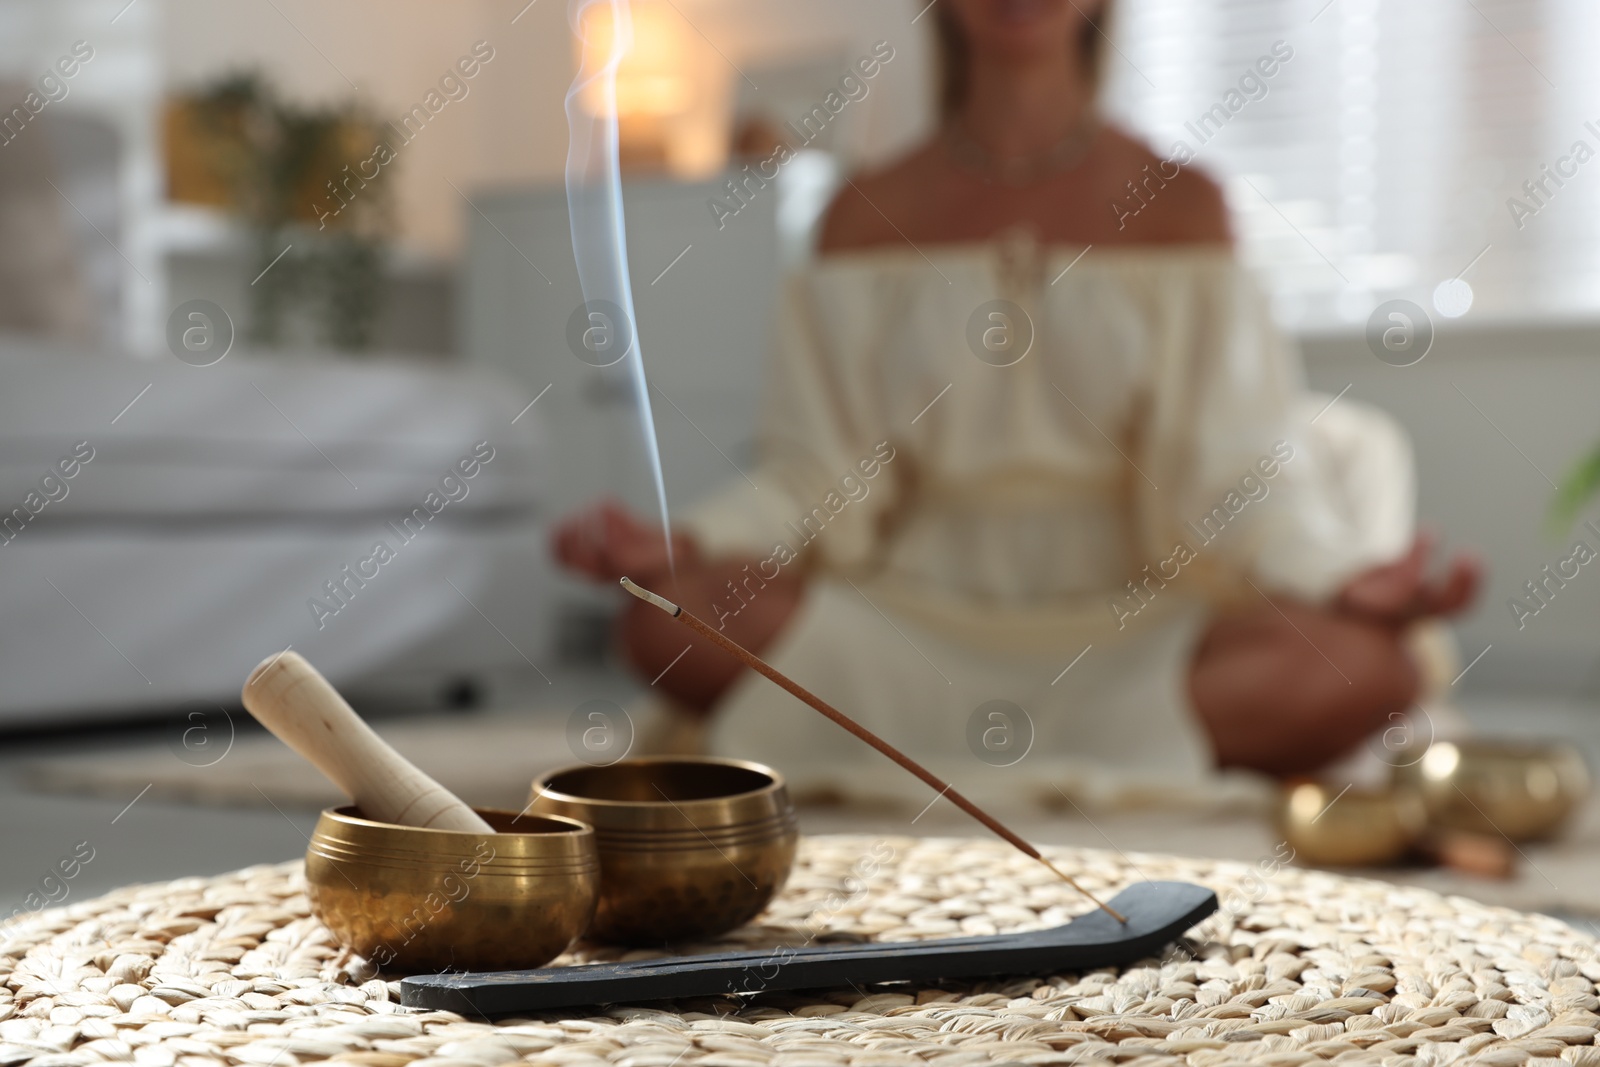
(1015, 171)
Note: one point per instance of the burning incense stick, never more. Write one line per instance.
(759, 665)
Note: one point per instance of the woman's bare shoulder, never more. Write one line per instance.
(861, 213)
(1160, 200)
(1151, 201)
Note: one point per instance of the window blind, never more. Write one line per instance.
(1402, 145)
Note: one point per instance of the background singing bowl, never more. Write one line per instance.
(1522, 789)
(689, 847)
(1334, 826)
(409, 899)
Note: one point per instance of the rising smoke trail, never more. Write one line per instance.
(594, 207)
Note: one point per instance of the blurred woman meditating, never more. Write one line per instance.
(1041, 496)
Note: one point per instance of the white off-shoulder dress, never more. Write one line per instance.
(1131, 415)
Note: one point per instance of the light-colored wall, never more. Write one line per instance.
(512, 129)
(387, 58)
(1497, 412)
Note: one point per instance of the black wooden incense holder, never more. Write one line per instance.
(1157, 913)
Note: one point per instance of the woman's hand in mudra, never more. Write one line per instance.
(1286, 686)
(605, 542)
(1402, 592)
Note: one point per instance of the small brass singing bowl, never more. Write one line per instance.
(1524, 790)
(1358, 828)
(689, 847)
(408, 899)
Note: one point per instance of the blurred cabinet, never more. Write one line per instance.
(704, 298)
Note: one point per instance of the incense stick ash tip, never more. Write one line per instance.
(650, 598)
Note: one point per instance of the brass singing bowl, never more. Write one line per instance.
(689, 847)
(1524, 790)
(409, 899)
(1330, 826)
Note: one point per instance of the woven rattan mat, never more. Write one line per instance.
(1299, 966)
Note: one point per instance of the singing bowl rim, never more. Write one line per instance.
(1397, 799)
(1490, 750)
(562, 842)
(741, 813)
(1483, 744)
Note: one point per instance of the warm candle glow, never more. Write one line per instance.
(652, 79)
(671, 99)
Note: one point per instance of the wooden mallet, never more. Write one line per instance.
(289, 697)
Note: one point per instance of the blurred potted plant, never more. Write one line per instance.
(1578, 487)
(283, 167)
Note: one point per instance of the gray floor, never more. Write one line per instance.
(141, 839)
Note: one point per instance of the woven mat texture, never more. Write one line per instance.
(1299, 967)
